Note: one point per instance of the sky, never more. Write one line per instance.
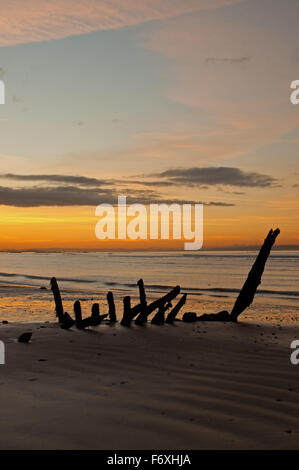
(159, 100)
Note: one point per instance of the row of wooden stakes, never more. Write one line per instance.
(139, 312)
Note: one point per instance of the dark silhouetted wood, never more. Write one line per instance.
(95, 311)
(163, 300)
(67, 321)
(57, 299)
(220, 316)
(135, 311)
(91, 321)
(189, 317)
(159, 318)
(153, 305)
(247, 293)
(94, 320)
(141, 292)
(112, 314)
(173, 313)
(97, 320)
(254, 278)
(78, 312)
(127, 316)
(142, 317)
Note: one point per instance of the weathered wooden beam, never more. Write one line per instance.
(131, 312)
(112, 314)
(163, 300)
(135, 311)
(173, 313)
(142, 317)
(91, 321)
(220, 316)
(160, 302)
(127, 316)
(67, 321)
(95, 310)
(254, 278)
(159, 318)
(78, 312)
(57, 299)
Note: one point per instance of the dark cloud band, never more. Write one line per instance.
(217, 176)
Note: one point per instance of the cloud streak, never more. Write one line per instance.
(40, 20)
(211, 176)
(69, 190)
(77, 180)
(227, 60)
(75, 196)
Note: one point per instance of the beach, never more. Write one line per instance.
(149, 249)
(201, 385)
(185, 386)
(211, 279)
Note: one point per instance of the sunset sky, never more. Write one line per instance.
(159, 100)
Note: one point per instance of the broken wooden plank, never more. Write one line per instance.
(156, 303)
(173, 313)
(159, 318)
(57, 299)
(112, 314)
(91, 321)
(163, 300)
(254, 278)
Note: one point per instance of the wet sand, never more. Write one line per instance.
(187, 386)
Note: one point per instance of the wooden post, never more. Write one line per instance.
(126, 319)
(95, 311)
(110, 300)
(254, 278)
(77, 311)
(142, 317)
(173, 313)
(57, 299)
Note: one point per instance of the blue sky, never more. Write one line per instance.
(101, 90)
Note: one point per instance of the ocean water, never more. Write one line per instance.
(212, 280)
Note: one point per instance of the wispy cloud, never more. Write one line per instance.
(78, 180)
(83, 191)
(226, 60)
(74, 196)
(39, 20)
(211, 176)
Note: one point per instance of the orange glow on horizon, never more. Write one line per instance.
(46, 228)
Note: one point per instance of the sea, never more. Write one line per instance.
(211, 279)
